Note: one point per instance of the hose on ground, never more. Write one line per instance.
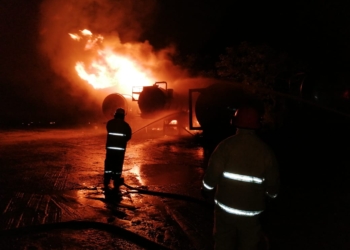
(79, 225)
(170, 195)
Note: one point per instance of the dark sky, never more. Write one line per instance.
(312, 29)
(316, 31)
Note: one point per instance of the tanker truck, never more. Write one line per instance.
(212, 109)
(151, 101)
(209, 109)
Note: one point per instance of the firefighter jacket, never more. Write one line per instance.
(243, 169)
(118, 134)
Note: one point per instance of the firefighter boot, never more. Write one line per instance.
(106, 180)
(117, 181)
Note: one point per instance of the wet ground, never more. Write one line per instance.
(52, 195)
(52, 198)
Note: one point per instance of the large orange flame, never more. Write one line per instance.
(108, 68)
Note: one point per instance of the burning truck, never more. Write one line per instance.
(124, 71)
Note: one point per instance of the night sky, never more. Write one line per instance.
(317, 32)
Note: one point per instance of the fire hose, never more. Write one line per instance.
(86, 224)
(79, 225)
(168, 195)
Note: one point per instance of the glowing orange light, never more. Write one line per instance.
(74, 36)
(109, 68)
(173, 122)
(86, 32)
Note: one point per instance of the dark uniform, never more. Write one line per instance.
(242, 170)
(118, 134)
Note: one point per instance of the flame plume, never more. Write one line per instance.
(108, 68)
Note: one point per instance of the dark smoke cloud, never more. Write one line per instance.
(58, 19)
(37, 76)
(121, 23)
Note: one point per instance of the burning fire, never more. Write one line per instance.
(109, 68)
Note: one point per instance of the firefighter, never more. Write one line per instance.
(118, 134)
(242, 173)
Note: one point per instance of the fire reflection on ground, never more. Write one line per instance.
(136, 170)
(64, 181)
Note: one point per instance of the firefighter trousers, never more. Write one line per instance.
(236, 232)
(113, 166)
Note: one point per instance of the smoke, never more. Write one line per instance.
(45, 85)
(120, 23)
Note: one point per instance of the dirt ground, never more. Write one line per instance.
(52, 198)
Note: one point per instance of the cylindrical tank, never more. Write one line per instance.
(112, 102)
(152, 99)
(216, 104)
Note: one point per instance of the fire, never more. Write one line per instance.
(74, 37)
(109, 68)
(86, 32)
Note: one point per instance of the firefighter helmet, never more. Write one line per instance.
(247, 117)
(119, 113)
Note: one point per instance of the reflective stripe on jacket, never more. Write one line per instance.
(118, 134)
(235, 211)
(242, 169)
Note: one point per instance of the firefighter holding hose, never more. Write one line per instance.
(242, 173)
(118, 134)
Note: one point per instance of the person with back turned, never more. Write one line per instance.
(118, 134)
(242, 173)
